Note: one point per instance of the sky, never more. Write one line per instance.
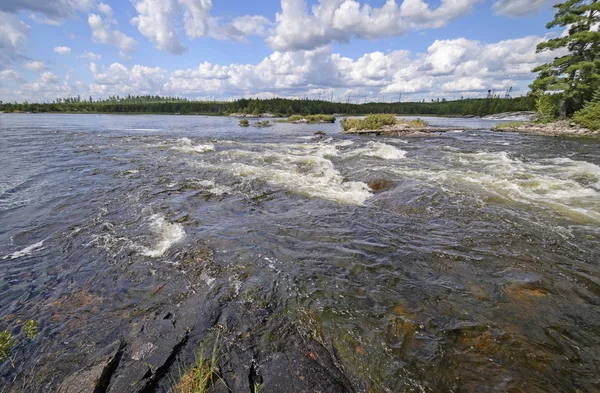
(377, 50)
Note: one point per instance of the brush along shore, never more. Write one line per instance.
(387, 125)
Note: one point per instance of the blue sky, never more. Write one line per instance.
(220, 49)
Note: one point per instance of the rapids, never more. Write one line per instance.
(477, 269)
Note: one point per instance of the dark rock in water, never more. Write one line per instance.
(379, 185)
(319, 135)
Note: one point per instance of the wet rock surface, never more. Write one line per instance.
(559, 128)
(136, 241)
(400, 130)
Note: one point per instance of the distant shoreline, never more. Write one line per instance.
(227, 115)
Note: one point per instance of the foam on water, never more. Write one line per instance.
(26, 251)
(212, 187)
(570, 188)
(303, 168)
(166, 235)
(379, 150)
(310, 175)
(185, 145)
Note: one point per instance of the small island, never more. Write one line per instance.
(387, 124)
(309, 119)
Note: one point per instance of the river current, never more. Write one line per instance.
(475, 268)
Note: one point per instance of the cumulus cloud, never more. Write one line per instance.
(9, 75)
(448, 68)
(103, 34)
(256, 25)
(157, 21)
(106, 10)
(90, 56)
(342, 20)
(517, 8)
(118, 79)
(62, 50)
(54, 11)
(13, 33)
(35, 66)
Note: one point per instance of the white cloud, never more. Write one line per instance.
(54, 11)
(13, 33)
(342, 20)
(90, 56)
(35, 66)
(155, 22)
(48, 78)
(106, 10)
(256, 25)
(9, 75)
(118, 79)
(62, 50)
(516, 8)
(448, 68)
(196, 17)
(102, 33)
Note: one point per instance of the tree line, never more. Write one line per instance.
(277, 106)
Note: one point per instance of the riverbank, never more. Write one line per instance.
(559, 128)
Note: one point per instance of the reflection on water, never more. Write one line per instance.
(477, 270)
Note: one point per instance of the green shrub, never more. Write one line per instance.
(31, 328)
(370, 122)
(322, 118)
(376, 122)
(244, 123)
(510, 124)
(548, 107)
(589, 116)
(313, 118)
(6, 345)
(260, 124)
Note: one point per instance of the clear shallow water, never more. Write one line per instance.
(476, 271)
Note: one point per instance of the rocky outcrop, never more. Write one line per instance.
(512, 116)
(267, 115)
(559, 128)
(400, 130)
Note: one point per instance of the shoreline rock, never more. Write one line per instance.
(511, 116)
(559, 128)
(267, 115)
(400, 129)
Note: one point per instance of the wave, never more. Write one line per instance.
(185, 145)
(166, 235)
(26, 251)
(379, 150)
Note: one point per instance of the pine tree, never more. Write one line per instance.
(576, 74)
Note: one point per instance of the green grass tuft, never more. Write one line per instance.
(379, 121)
(312, 118)
(510, 124)
(6, 345)
(203, 375)
(31, 328)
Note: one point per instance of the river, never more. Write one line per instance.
(475, 268)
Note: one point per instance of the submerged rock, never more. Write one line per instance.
(379, 185)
